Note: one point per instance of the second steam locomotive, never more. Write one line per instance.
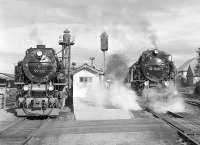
(154, 68)
(40, 80)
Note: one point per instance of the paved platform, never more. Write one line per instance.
(107, 132)
(84, 111)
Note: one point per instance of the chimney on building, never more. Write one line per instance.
(92, 61)
(73, 65)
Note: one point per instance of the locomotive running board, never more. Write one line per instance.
(19, 83)
(60, 84)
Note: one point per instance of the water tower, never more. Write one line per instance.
(104, 48)
(66, 42)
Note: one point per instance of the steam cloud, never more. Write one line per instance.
(116, 96)
(146, 29)
(165, 99)
(112, 94)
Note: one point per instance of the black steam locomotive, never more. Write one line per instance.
(154, 68)
(40, 80)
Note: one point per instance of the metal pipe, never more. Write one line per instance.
(104, 62)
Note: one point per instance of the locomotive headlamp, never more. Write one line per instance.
(146, 83)
(166, 83)
(51, 88)
(39, 53)
(155, 51)
(25, 88)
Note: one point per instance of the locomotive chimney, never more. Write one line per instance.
(41, 46)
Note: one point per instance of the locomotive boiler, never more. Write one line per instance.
(40, 80)
(154, 68)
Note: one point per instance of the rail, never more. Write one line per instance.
(30, 136)
(11, 125)
(189, 135)
(24, 130)
(192, 101)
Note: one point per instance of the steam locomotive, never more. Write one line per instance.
(40, 80)
(154, 68)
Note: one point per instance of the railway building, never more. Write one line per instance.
(6, 80)
(189, 72)
(83, 76)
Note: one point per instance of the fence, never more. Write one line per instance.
(7, 98)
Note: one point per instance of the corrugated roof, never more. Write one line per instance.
(7, 76)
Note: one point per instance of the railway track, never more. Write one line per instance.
(21, 131)
(195, 102)
(188, 129)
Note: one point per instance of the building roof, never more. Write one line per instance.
(7, 76)
(87, 67)
(190, 71)
(191, 62)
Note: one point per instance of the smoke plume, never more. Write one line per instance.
(117, 67)
(153, 39)
(166, 99)
(35, 36)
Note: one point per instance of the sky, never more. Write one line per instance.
(132, 25)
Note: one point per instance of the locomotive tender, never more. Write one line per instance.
(40, 79)
(154, 68)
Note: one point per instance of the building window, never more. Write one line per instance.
(85, 79)
(81, 79)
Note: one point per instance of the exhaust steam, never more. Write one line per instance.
(164, 99)
(116, 96)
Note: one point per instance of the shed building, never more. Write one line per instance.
(6, 80)
(84, 76)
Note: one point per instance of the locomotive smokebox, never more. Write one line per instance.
(41, 46)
